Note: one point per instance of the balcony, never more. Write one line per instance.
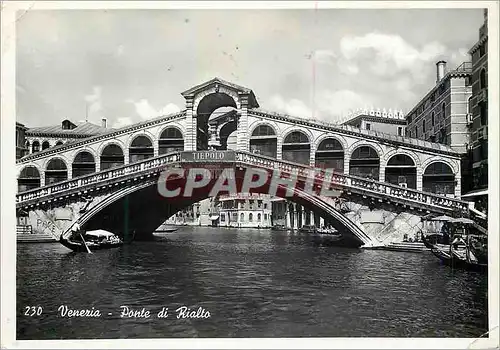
(482, 95)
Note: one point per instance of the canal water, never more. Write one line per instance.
(254, 283)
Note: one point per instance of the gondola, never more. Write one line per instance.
(466, 254)
(91, 240)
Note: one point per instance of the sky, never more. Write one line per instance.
(132, 65)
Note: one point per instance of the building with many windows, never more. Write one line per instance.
(478, 107)
(388, 122)
(245, 210)
(442, 115)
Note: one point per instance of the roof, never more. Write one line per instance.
(82, 129)
(252, 101)
(403, 140)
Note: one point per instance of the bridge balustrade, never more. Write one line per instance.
(345, 181)
(351, 181)
(98, 177)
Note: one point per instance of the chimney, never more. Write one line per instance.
(441, 68)
(103, 122)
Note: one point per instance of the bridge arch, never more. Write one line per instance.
(140, 147)
(391, 153)
(401, 170)
(365, 162)
(45, 145)
(111, 154)
(35, 146)
(438, 177)
(160, 209)
(28, 178)
(263, 139)
(330, 153)
(59, 143)
(84, 163)
(170, 139)
(296, 146)
(56, 170)
(204, 104)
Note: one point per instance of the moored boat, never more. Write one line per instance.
(467, 250)
(91, 240)
(307, 229)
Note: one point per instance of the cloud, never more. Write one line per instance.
(325, 56)
(94, 100)
(146, 111)
(122, 122)
(293, 107)
(389, 54)
(334, 104)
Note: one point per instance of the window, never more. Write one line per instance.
(259, 217)
(265, 217)
(265, 205)
(400, 131)
(484, 113)
(482, 79)
(368, 126)
(482, 50)
(416, 132)
(235, 216)
(432, 118)
(242, 205)
(259, 204)
(410, 118)
(443, 111)
(250, 217)
(242, 217)
(222, 218)
(423, 126)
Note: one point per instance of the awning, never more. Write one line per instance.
(214, 217)
(476, 193)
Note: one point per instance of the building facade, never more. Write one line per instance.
(478, 107)
(245, 210)
(443, 114)
(389, 122)
(21, 149)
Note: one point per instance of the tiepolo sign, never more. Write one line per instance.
(208, 156)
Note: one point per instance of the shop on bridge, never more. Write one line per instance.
(171, 140)
(140, 149)
(296, 148)
(330, 155)
(28, 179)
(365, 162)
(439, 178)
(111, 157)
(56, 171)
(83, 164)
(264, 141)
(401, 171)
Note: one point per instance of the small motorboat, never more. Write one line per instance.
(308, 229)
(279, 228)
(166, 229)
(91, 240)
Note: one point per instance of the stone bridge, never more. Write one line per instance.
(396, 175)
(126, 199)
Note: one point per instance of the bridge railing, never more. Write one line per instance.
(95, 178)
(354, 182)
(303, 171)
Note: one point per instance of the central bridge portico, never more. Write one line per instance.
(373, 170)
